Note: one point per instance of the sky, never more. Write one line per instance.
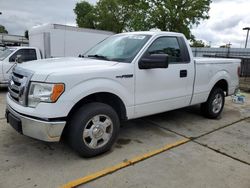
(227, 18)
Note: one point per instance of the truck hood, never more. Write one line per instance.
(62, 64)
(43, 68)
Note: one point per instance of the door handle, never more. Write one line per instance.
(183, 73)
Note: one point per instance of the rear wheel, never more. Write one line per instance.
(93, 129)
(213, 107)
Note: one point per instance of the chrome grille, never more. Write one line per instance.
(18, 85)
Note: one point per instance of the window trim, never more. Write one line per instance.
(185, 57)
(15, 54)
(184, 50)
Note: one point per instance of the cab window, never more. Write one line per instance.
(26, 55)
(166, 45)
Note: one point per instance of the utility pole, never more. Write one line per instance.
(246, 28)
(228, 46)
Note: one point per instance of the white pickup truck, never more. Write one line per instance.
(9, 56)
(127, 76)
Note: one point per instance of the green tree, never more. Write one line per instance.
(113, 15)
(110, 15)
(198, 44)
(130, 15)
(178, 15)
(121, 15)
(226, 46)
(138, 15)
(3, 30)
(85, 14)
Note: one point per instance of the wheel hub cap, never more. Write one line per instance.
(217, 103)
(98, 131)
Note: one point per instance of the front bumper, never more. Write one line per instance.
(49, 131)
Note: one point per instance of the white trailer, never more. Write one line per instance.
(47, 41)
(56, 40)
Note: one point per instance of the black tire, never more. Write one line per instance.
(207, 107)
(83, 118)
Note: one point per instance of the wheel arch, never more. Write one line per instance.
(223, 84)
(104, 97)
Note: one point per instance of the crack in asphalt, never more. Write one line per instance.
(193, 139)
(220, 152)
(219, 128)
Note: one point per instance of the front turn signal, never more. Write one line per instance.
(58, 90)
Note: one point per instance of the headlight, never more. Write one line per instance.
(44, 92)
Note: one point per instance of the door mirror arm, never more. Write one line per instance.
(18, 59)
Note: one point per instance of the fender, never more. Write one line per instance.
(220, 75)
(91, 86)
(202, 92)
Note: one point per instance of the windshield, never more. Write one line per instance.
(6, 53)
(122, 48)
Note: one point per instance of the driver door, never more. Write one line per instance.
(163, 89)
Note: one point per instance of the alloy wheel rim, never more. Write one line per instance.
(217, 103)
(98, 131)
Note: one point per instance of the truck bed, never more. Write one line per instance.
(208, 72)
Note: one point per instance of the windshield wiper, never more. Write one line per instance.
(123, 60)
(99, 57)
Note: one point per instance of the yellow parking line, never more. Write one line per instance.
(121, 165)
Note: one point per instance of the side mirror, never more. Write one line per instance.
(11, 59)
(18, 59)
(154, 61)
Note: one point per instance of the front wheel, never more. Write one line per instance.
(93, 129)
(213, 107)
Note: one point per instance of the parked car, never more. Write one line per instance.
(126, 76)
